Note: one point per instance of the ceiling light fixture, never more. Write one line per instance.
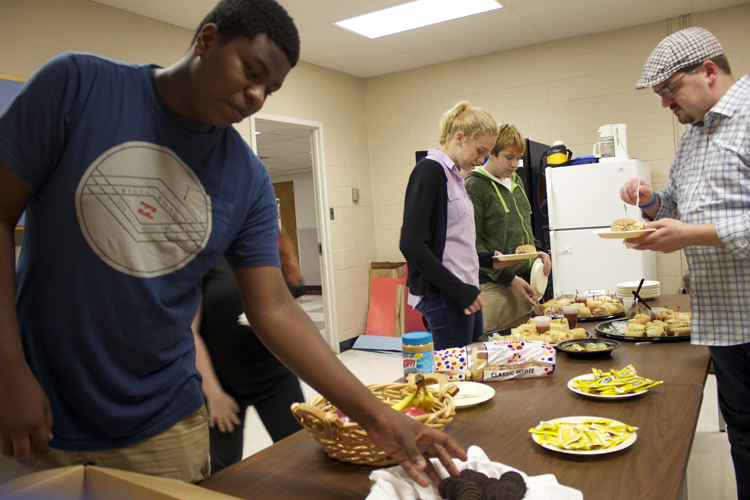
(415, 15)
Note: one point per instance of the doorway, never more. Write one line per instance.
(287, 211)
(292, 151)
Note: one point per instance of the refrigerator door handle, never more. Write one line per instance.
(565, 250)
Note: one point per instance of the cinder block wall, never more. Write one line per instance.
(562, 90)
(33, 31)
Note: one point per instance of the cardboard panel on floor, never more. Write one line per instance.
(388, 308)
(381, 315)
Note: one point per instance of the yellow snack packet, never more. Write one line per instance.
(596, 439)
(628, 371)
(636, 386)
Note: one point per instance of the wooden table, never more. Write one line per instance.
(654, 467)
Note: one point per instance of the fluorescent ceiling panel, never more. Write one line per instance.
(415, 15)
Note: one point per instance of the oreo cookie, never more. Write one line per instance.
(475, 477)
(469, 490)
(473, 485)
(448, 487)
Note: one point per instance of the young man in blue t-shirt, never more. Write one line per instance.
(134, 183)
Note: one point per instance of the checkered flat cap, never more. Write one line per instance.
(678, 50)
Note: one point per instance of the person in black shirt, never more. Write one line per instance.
(237, 369)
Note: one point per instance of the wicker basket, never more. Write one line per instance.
(348, 442)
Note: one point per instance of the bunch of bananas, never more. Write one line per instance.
(421, 398)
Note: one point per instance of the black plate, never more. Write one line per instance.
(562, 347)
(605, 330)
(601, 318)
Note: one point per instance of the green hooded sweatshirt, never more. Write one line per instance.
(502, 217)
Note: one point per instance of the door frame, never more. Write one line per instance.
(320, 187)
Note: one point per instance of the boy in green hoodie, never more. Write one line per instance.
(502, 214)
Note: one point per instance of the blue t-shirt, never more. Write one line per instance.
(130, 212)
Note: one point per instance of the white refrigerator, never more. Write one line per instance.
(582, 199)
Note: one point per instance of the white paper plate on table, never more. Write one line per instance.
(633, 285)
(538, 279)
(469, 393)
(572, 420)
(608, 233)
(590, 376)
(516, 256)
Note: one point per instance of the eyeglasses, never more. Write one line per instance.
(666, 92)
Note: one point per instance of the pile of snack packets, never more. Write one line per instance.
(614, 382)
(583, 436)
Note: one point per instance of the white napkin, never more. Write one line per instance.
(393, 483)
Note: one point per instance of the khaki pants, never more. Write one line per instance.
(502, 306)
(180, 452)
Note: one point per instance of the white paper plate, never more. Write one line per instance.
(634, 284)
(590, 376)
(516, 256)
(625, 444)
(538, 279)
(469, 393)
(607, 233)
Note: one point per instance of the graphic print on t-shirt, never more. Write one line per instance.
(143, 210)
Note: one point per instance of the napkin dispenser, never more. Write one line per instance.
(613, 143)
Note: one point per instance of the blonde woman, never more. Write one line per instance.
(438, 235)
(502, 215)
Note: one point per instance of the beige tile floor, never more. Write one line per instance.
(710, 470)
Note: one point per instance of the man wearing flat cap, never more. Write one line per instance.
(705, 209)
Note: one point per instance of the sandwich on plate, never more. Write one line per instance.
(526, 249)
(626, 225)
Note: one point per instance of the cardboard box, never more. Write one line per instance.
(99, 483)
(386, 265)
(385, 270)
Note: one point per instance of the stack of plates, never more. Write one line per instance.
(649, 290)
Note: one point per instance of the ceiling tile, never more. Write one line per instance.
(121, 4)
(706, 5)
(511, 3)
(185, 13)
(351, 54)
(303, 20)
(494, 22)
(327, 37)
(480, 45)
(339, 10)
(329, 46)
(285, 145)
(549, 11)
(392, 64)
(615, 19)
(264, 126)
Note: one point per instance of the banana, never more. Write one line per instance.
(421, 398)
(427, 401)
(406, 402)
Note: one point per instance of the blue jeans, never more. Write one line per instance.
(732, 367)
(449, 325)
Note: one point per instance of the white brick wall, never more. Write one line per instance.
(33, 31)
